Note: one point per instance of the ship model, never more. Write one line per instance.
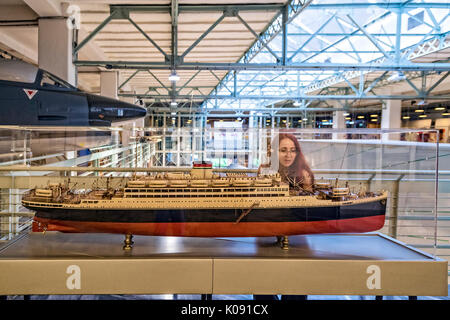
(202, 203)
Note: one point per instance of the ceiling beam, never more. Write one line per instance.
(293, 97)
(157, 65)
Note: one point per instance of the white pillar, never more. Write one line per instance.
(130, 126)
(109, 84)
(338, 121)
(108, 88)
(55, 48)
(391, 117)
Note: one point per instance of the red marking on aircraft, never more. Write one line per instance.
(30, 93)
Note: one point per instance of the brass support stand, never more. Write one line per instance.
(128, 242)
(285, 243)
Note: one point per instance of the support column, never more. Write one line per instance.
(55, 48)
(108, 88)
(391, 118)
(251, 139)
(338, 122)
(130, 128)
(109, 84)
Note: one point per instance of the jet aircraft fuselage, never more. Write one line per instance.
(32, 101)
(33, 97)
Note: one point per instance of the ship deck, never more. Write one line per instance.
(323, 264)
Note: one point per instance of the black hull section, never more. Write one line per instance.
(361, 210)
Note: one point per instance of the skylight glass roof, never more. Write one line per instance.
(332, 33)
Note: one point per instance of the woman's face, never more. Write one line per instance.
(287, 152)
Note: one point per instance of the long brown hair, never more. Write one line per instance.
(295, 171)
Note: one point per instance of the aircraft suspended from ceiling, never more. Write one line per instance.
(32, 98)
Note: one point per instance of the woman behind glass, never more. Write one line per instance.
(293, 167)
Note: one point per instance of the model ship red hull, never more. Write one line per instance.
(214, 229)
(361, 217)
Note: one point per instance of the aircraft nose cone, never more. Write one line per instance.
(103, 109)
(135, 111)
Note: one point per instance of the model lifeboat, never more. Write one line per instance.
(262, 182)
(175, 175)
(241, 182)
(199, 183)
(178, 183)
(156, 183)
(136, 184)
(220, 183)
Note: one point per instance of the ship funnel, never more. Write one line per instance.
(202, 170)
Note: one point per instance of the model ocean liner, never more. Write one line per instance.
(204, 204)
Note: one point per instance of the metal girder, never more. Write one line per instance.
(370, 37)
(195, 8)
(394, 54)
(148, 38)
(278, 24)
(257, 36)
(393, 59)
(384, 5)
(293, 9)
(94, 32)
(123, 12)
(203, 36)
(427, 46)
(294, 97)
(267, 66)
(312, 37)
(129, 78)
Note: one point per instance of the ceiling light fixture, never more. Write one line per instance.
(174, 76)
(422, 103)
(397, 76)
(419, 110)
(173, 104)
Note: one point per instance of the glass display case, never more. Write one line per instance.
(360, 159)
(99, 166)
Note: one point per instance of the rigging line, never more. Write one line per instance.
(415, 160)
(342, 161)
